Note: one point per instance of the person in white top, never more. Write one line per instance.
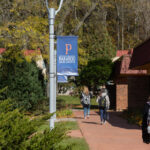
(104, 104)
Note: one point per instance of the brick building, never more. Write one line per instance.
(131, 86)
(141, 57)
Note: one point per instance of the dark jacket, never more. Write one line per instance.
(145, 122)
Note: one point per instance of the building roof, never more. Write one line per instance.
(122, 64)
(2, 50)
(25, 52)
(141, 55)
(32, 52)
(120, 53)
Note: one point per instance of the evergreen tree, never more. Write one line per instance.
(22, 80)
(18, 132)
(97, 72)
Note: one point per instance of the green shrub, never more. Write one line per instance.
(24, 84)
(97, 72)
(6, 106)
(18, 132)
(48, 140)
(15, 128)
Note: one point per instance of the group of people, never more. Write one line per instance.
(104, 104)
(102, 100)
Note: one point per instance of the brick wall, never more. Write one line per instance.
(138, 91)
(121, 94)
(131, 92)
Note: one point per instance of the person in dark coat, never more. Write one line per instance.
(146, 123)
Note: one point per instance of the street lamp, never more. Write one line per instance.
(52, 74)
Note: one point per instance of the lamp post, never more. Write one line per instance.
(51, 17)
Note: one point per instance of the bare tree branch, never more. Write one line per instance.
(60, 27)
(87, 14)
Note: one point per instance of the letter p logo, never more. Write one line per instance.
(68, 48)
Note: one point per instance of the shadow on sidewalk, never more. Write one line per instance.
(116, 120)
(78, 117)
(90, 122)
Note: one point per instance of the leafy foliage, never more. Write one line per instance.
(97, 72)
(14, 128)
(22, 80)
(99, 47)
(19, 133)
(48, 140)
(100, 24)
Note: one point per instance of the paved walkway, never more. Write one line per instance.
(116, 134)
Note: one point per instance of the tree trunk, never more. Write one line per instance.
(87, 14)
(118, 26)
(60, 28)
(122, 29)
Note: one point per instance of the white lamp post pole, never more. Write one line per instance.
(52, 74)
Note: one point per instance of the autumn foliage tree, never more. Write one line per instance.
(101, 25)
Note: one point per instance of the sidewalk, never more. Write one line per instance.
(116, 134)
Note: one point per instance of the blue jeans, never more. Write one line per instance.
(86, 110)
(103, 114)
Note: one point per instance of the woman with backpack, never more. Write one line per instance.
(104, 103)
(86, 101)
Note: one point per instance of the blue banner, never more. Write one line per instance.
(62, 79)
(67, 55)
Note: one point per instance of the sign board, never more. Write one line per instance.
(67, 55)
(62, 79)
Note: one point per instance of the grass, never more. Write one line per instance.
(76, 143)
(66, 113)
(64, 103)
(69, 125)
(73, 102)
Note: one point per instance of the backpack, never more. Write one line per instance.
(102, 102)
(85, 99)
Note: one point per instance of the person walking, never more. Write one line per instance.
(86, 101)
(146, 123)
(104, 103)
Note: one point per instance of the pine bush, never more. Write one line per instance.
(23, 84)
(18, 132)
(15, 128)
